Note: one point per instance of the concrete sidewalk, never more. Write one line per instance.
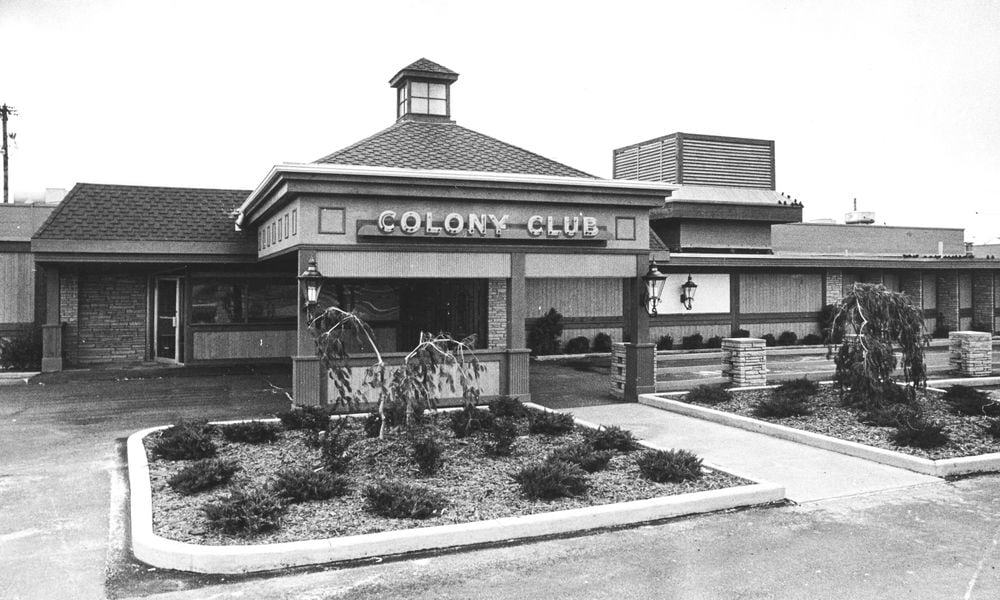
(808, 474)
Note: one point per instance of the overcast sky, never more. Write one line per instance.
(895, 103)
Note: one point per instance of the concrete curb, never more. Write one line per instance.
(16, 377)
(169, 554)
(938, 468)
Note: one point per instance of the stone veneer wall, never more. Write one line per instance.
(69, 307)
(947, 301)
(112, 318)
(834, 287)
(983, 300)
(496, 301)
(971, 353)
(744, 361)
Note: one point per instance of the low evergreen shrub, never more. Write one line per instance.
(550, 423)
(740, 333)
(316, 418)
(665, 342)
(611, 438)
(299, 484)
(22, 352)
(467, 421)
(782, 406)
(811, 339)
(202, 475)
(333, 444)
(543, 338)
(891, 415)
(787, 338)
(548, 480)
(797, 387)
(185, 441)
(400, 500)
(602, 342)
(427, 453)
(577, 345)
(583, 455)
(993, 428)
(508, 407)
(251, 432)
(714, 342)
(245, 512)
(708, 394)
(769, 340)
(965, 400)
(920, 433)
(669, 466)
(692, 342)
(501, 436)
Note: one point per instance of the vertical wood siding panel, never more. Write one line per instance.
(574, 297)
(778, 292)
(17, 280)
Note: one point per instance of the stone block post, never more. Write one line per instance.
(971, 353)
(744, 361)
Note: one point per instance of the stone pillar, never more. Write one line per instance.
(496, 314)
(947, 301)
(69, 311)
(744, 361)
(983, 300)
(834, 279)
(971, 353)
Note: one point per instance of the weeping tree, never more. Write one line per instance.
(438, 363)
(876, 324)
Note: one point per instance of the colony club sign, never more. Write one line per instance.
(454, 224)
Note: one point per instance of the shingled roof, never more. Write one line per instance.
(445, 145)
(139, 213)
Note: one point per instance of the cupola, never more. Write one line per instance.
(423, 91)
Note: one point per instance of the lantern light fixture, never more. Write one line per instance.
(687, 293)
(311, 282)
(654, 280)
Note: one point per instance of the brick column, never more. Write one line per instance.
(69, 311)
(971, 353)
(912, 284)
(496, 314)
(947, 301)
(744, 361)
(834, 286)
(983, 300)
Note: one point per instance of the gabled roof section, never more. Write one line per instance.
(94, 212)
(445, 146)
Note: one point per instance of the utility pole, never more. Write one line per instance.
(5, 111)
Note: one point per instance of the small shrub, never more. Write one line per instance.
(202, 475)
(769, 340)
(316, 418)
(577, 345)
(185, 441)
(692, 342)
(811, 339)
(22, 353)
(611, 438)
(714, 342)
(400, 500)
(602, 342)
(550, 423)
(669, 466)
(333, 445)
(993, 428)
(501, 436)
(427, 453)
(920, 433)
(891, 415)
(548, 480)
(373, 424)
(508, 407)
(781, 406)
(298, 484)
(665, 343)
(583, 455)
(467, 421)
(828, 332)
(787, 338)
(252, 432)
(740, 333)
(708, 394)
(965, 400)
(246, 512)
(797, 387)
(543, 338)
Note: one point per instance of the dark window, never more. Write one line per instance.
(238, 302)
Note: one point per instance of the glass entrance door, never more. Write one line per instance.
(167, 324)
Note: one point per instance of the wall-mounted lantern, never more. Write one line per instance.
(310, 283)
(687, 293)
(654, 281)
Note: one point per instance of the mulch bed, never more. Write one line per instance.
(967, 433)
(477, 485)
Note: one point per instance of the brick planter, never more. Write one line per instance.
(971, 353)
